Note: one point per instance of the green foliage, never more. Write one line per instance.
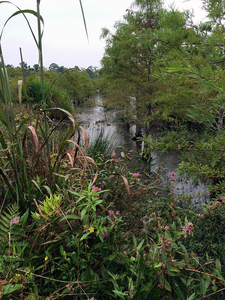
(6, 220)
(104, 231)
(102, 145)
(48, 208)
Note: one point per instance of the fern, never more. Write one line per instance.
(6, 217)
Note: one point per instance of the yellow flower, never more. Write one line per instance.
(46, 258)
(91, 229)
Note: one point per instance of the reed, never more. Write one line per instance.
(27, 144)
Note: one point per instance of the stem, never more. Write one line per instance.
(42, 83)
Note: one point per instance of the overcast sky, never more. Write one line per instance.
(65, 42)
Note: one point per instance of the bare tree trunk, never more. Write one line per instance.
(138, 132)
(220, 118)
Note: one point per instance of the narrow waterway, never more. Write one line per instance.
(95, 118)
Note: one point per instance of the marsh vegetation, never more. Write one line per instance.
(80, 220)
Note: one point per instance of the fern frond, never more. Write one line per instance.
(6, 218)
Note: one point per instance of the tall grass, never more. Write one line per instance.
(26, 143)
(102, 145)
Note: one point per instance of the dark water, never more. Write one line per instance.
(95, 118)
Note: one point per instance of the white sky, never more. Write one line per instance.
(64, 41)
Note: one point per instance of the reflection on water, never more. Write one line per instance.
(170, 162)
(95, 118)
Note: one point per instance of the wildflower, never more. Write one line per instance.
(111, 212)
(105, 235)
(153, 213)
(91, 229)
(167, 227)
(172, 176)
(46, 258)
(190, 227)
(96, 189)
(111, 159)
(117, 212)
(114, 154)
(136, 174)
(14, 221)
(52, 233)
(187, 229)
(200, 216)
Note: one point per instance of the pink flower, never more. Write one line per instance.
(111, 212)
(172, 176)
(117, 212)
(167, 227)
(14, 221)
(136, 174)
(114, 154)
(153, 213)
(96, 189)
(200, 216)
(52, 233)
(105, 235)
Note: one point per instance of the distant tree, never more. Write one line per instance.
(54, 66)
(35, 67)
(76, 68)
(24, 65)
(57, 68)
(92, 72)
(62, 69)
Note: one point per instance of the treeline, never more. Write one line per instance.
(63, 87)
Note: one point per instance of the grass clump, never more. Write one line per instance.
(102, 145)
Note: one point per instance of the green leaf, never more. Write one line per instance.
(85, 236)
(140, 244)
(218, 265)
(69, 217)
(167, 285)
(83, 212)
(191, 297)
(119, 293)
(24, 218)
(134, 241)
(9, 288)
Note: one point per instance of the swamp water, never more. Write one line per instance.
(95, 119)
